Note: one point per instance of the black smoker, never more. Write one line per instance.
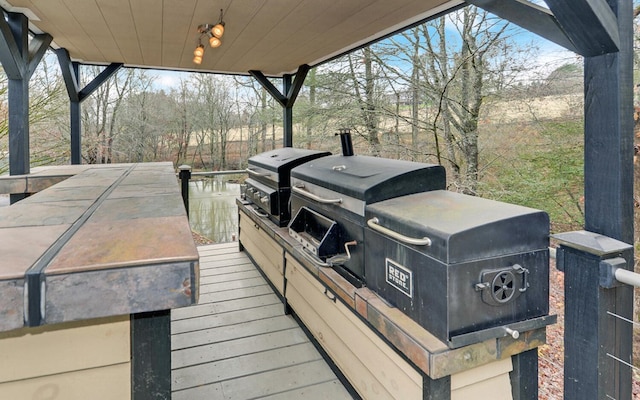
(268, 185)
(465, 268)
(329, 196)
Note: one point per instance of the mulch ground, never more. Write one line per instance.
(551, 355)
(200, 240)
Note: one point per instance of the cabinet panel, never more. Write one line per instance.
(372, 367)
(71, 346)
(264, 250)
(104, 383)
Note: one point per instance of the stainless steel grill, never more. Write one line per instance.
(339, 187)
(268, 185)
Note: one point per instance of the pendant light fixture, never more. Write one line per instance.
(213, 33)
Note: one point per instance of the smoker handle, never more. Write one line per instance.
(255, 173)
(374, 222)
(300, 190)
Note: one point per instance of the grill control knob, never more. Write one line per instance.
(265, 200)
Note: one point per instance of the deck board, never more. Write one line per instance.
(238, 344)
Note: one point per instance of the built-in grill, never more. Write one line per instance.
(338, 188)
(465, 268)
(268, 185)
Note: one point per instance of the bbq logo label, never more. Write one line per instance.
(399, 277)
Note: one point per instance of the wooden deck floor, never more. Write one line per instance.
(237, 343)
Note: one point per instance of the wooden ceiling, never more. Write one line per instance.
(272, 36)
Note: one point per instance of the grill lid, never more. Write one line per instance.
(275, 165)
(371, 179)
(461, 228)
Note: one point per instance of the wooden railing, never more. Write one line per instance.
(598, 333)
(185, 176)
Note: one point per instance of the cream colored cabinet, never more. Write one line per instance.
(264, 250)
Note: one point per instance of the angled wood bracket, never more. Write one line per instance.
(69, 74)
(591, 25)
(586, 27)
(20, 57)
(286, 100)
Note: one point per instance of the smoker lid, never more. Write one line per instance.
(463, 228)
(371, 179)
(273, 167)
(286, 157)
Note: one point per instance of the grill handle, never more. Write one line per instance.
(259, 213)
(255, 173)
(374, 223)
(301, 191)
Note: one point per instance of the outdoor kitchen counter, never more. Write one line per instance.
(89, 254)
(108, 241)
(427, 354)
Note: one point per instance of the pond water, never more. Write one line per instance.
(212, 208)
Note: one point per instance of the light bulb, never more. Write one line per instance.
(215, 42)
(199, 51)
(197, 60)
(218, 30)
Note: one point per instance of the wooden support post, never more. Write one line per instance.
(436, 389)
(286, 100)
(185, 176)
(19, 59)
(608, 211)
(75, 121)
(287, 114)
(595, 340)
(524, 376)
(151, 355)
(71, 74)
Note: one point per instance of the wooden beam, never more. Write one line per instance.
(292, 93)
(99, 80)
(529, 16)
(68, 74)
(151, 355)
(71, 75)
(287, 113)
(591, 25)
(9, 52)
(16, 46)
(608, 186)
(37, 48)
(269, 87)
(292, 89)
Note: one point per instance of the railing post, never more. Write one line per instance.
(185, 176)
(597, 342)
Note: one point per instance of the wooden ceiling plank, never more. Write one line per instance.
(122, 30)
(149, 29)
(180, 23)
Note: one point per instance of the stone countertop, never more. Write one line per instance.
(105, 240)
(423, 349)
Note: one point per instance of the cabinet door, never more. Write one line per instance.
(264, 250)
(374, 369)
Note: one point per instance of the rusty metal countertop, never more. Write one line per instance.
(103, 241)
(426, 352)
